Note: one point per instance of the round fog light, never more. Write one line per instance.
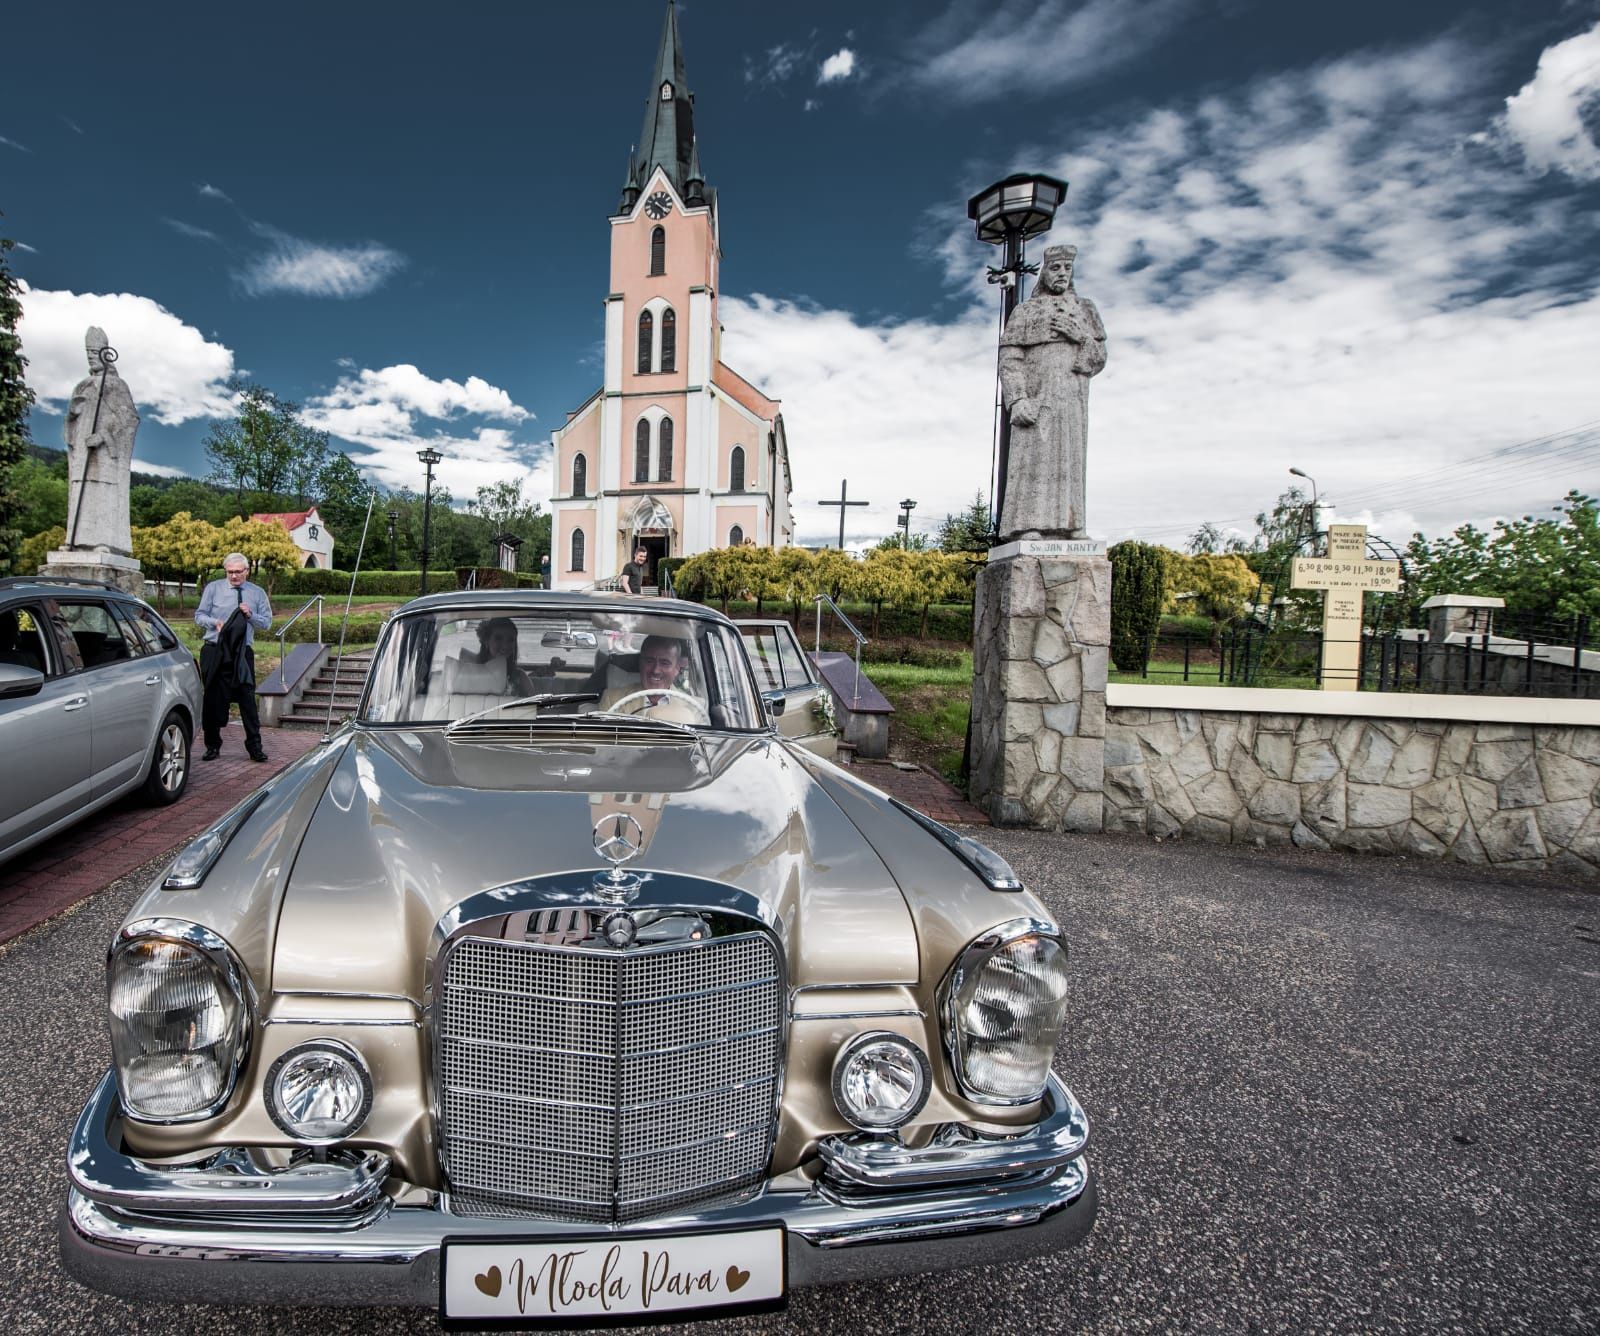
(880, 1080)
(319, 1092)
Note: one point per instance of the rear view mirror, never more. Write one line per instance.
(15, 680)
(774, 701)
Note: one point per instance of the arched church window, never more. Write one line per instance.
(580, 475)
(646, 329)
(736, 536)
(736, 469)
(641, 451)
(658, 250)
(664, 473)
(669, 340)
(577, 549)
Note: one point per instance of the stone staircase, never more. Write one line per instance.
(311, 710)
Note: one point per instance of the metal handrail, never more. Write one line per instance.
(283, 680)
(850, 626)
(670, 591)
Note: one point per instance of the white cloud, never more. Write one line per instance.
(1309, 271)
(976, 51)
(776, 64)
(309, 269)
(381, 413)
(812, 104)
(840, 65)
(24, 246)
(208, 191)
(175, 373)
(160, 470)
(12, 143)
(1545, 120)
(190, 230)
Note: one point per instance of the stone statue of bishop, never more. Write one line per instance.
(101, 424)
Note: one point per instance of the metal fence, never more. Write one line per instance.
(1518, 657)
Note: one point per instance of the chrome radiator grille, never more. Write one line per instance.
(607, 1085)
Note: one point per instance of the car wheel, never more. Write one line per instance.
(169, 765)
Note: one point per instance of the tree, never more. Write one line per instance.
(182, 546)
(504, 509)
(264, 447)
(1214, 584)
(1543, 568)
(15, 400)
(40, 496)
(268, 546)
(32, 551)
(968, 531)
(1138, 592)
(898, 542)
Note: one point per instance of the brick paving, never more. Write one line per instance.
(75, 863)
(922, 789)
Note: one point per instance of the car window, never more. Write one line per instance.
(24, 641)
(761, 644)
(163, 635)
(135, 632)
(97, 633)
(794, 666)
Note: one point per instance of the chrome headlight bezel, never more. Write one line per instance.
(272, 1096)
(969, 964)
(231, 974)
(918, 1061)
(189, 869)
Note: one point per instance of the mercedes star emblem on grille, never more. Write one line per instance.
(618, 838)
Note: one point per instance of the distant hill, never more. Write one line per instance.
(57, 460)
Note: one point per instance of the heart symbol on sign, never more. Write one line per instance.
(489, 1282)
(736, 1279)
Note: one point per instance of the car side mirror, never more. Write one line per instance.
(774, 701)
(15, 680)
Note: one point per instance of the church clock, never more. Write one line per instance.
(658, 205)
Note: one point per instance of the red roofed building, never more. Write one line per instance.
(307, 532)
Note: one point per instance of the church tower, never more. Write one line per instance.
(675, 452)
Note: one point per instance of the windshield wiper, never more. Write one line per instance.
(541, 698)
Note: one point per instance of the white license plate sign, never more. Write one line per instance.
(609, 1278)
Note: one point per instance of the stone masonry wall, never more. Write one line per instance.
(1514, 795)
(1039, 660)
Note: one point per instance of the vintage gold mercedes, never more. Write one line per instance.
(560, 984)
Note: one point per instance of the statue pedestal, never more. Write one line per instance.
(1041, 643)
(121, 572)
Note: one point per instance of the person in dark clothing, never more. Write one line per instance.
(634, 573)
(231, 611)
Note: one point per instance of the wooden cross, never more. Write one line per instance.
(1346, 577)
(844, 491)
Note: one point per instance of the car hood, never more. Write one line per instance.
(411, 823)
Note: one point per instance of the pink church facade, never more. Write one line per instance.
(676, 452)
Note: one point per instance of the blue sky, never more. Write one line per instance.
(1362, 240)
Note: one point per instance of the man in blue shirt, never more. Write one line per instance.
(231, 611)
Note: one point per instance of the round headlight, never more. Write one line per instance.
(178, 1019)
(319, 1092)
(1003, 1004)
(880, 1080)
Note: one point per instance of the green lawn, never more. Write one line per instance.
(931, 708)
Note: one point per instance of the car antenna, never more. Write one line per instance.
(327, 723)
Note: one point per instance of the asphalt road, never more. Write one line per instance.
(1328, 1094)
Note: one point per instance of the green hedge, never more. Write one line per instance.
(399, 584)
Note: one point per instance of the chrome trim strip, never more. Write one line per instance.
(229, 1181)
(959, 1154)
(340, 1022)
(915, 1013)
(234, 974)
(973, 956)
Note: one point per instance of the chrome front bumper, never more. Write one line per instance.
(235, 1231)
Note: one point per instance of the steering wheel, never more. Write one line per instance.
(645, 695)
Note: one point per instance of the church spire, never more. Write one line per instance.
(667, 139)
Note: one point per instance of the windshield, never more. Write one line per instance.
(445, 665)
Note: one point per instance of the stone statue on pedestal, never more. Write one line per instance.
(1053, 343)
(101, 424)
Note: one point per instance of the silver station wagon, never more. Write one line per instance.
(97, 699)
(561, 986)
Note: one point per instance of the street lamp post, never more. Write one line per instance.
(429, 457)
(906, 507)
(1007, 214)
(1301, 473)
(394, 518)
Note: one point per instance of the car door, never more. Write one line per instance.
(784, 675)
(44, 737)
(124, 693)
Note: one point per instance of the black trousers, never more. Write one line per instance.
(221, 693)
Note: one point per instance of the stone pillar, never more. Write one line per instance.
(1041, 642)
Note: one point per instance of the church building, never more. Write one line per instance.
(675, 452)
